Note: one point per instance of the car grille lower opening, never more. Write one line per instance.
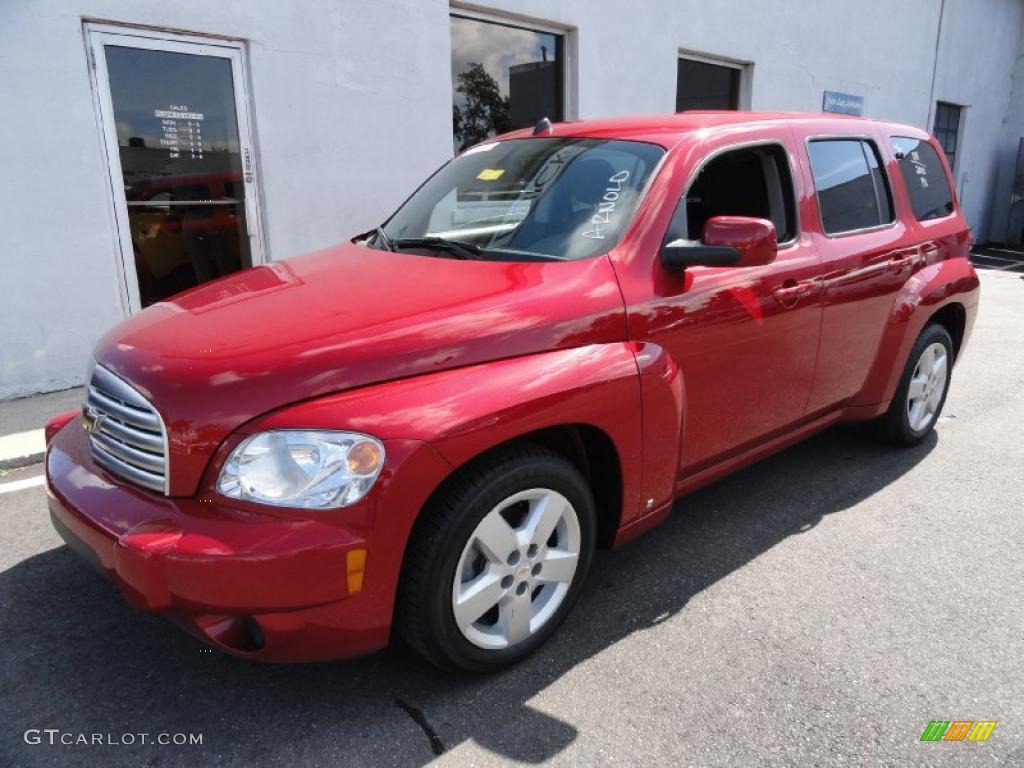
(126, 434)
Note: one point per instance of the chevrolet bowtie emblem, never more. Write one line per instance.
(92, 420)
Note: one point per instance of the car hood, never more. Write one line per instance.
(219, 355)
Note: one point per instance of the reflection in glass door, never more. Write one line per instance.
(180, 160)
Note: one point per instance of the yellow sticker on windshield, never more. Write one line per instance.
(490, 174)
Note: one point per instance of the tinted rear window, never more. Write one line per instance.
(853, 192)
(927, 184)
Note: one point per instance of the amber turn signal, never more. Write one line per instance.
(364, 458)
(355, 565)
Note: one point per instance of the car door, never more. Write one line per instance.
(866, 252)
(744, 338)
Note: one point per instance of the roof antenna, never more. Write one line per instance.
(542, 128)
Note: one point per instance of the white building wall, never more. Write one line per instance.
(981, 40)
(351, 103)
(1007, 221)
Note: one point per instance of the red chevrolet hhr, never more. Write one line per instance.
(432, 428)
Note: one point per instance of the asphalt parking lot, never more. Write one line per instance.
(819, 608)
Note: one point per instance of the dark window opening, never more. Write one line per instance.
(752, 182)
(503, 77)
(926, 180)
(853, 191)
(700, 85)
(947, 130)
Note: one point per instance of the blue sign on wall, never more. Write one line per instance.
(843, 103)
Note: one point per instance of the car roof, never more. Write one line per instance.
(669, 130)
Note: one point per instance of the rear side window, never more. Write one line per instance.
(927, 185)
(853, 191)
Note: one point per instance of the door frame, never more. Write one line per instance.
(98, 34)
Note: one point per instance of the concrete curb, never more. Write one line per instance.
(17, 462)
(22, 438)
(22, 448)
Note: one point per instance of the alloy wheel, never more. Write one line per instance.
(516, 568)
(927, 386)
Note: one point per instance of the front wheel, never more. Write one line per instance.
(497, 560)
(922, 389)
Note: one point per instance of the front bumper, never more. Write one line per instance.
(272, 587)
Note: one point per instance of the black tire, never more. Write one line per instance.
(424, 613)
(895, 425)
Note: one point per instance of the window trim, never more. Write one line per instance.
(880, 159)
(570, 80)
(744, 68)
(817, 198)
(940, 152)
(753, 143)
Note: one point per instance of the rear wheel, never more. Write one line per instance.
(922, 389)
(497, 560)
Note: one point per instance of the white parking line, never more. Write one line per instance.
(1018, 254)
(20, 485)
(985, 260)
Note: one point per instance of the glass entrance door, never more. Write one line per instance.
(180, 159)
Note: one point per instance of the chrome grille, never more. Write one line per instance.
(126, 434)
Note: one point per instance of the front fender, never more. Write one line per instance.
(924, 294)
(463, 412)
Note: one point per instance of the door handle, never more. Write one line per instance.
(900, 262)
(791, 291)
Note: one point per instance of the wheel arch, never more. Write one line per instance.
(952, 317)
(588, 448)
(945, 292)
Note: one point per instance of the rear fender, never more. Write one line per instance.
(924, 294)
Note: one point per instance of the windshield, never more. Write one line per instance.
(538, 198)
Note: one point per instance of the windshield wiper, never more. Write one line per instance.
(454, 247)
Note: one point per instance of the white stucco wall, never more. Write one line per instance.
(1007, 222)
(980, 43)
(351, 103)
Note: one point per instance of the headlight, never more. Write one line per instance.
(312, 470)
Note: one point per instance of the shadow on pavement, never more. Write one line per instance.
(74, 657)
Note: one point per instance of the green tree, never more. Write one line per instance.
(485, 111)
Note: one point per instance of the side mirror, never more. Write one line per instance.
(728, 241)
(755, 239)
